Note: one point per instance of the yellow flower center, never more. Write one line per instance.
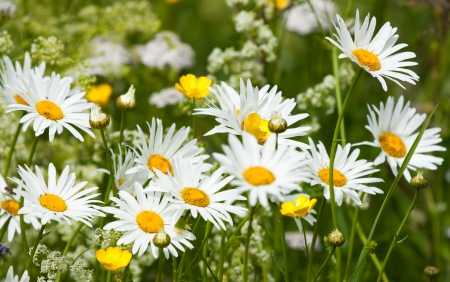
(113, 258)
(49, 110)
(339, 179)
(20, 100)
(11, 207)
(149, 221)
(258, 127)
(53, 203)
(121, 182)
(367, 59)
(161, 163)
(392, 145)
(258, 175)
(195, 197)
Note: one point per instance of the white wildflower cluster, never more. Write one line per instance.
(105, 237)
(166, 50)
(165, 97)
(80, 272)
(301, 18)
(7, 8)
(51, 263)
(48, 50)
(6, 43)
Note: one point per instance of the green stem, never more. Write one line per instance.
(283, 247)
(247, 244)
(64, 276)
(243, 221)
(125, 273)
(110, 168)
(122, 121)
(205, 251)
(347, 9)
(11, 150)
(193, 118)
(319, 24)
(324, 263)
(33, 149)
(174, 269)
(160, 266)
(69, 243)
(30, 258)
(313, 242)
(337, 89)
(357, 267)
(109, 276)
(223, 234)
(209, 268)
(308, 253)
(351, 243)
(394, 240)
(4, 228)
(435, 223)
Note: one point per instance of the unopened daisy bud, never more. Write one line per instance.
(127, 102)
(277, 124)
(432, 271)
(335, 238)
(97, 118)
(161, 239)
(371, 247)
(233, 243)
(418, 182)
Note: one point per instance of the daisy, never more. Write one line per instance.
(9, 212)
(262, 172)
(11, 278)
(199, 197)
(392, 127)
(49, 105)
(159, 152)
(375, 55)
(58, 199)
(251, 111)
(143, 218)
(347, 172)
(14, 77)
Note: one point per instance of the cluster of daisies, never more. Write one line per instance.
(165, 178)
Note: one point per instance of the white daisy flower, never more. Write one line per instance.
(375, 55)
(347, 172)
(143, 218)
(11, 278)
(14, 78)
(58, 199)
(9, 211)
(251, 111)
(159, 152)
(199, 196)
(392, 127)
(49, 105)
(263, 172)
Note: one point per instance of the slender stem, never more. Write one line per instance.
(193, 118)
(347, 9)
(324, 263)
(109, 276)
(435, 223)
(308, 253)
(122, 121)
(223, 234)
(4, 228)
(205, 251)
(11, 150)
(313, 242)
(394, 240)
(33, 149)
(30, 258)
(244, 220)
(110, 167)
(64, 276)
(247, 244)
(209, 268)
(75, 233)
(283, 247)
(180, 266)
(160, 266)
(174, 268)
(337, 89)
(319, 24)
(351, 243)
(358, 266)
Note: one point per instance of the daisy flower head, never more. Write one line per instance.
(199, 196)
(49, 105)
(393, 127)
(11, 278)
(160, 150)
(9, 212)
(144, 217)
(250, 111)
(262, 172)
(14, 76)
(348, 172)
(57, 199)
(375, 55)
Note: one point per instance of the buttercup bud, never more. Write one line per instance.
(97, 118)
(127, 102)
(432, 271)
(335, 238)
(277, 124)
(418, 182)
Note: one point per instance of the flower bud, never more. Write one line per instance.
(277, 124)
(432, 271)
(161, 239)
(97, 118)
(371, 247)
(418, 182)
(127, 102)
(335, 238)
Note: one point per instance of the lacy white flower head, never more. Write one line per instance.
(167, 96)
(348, 172)
(107, 57)
(14, 75)
(375, 55)
(57, 199)
(9, 212)
(199, 196)
(167, 50)
(263, 171)
(393, 127)
(7, 8)
(11, 278)
(301, 19)
(160, 151)
(143, 217)
(251, 110)
(50, 106)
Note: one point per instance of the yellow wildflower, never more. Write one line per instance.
(258, 127)
(301, 208)
(113, 258)
(193, 88)
(99, 94)
(280, 4)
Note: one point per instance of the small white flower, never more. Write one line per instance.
(167, 96)
(301, 18)
(107, 57)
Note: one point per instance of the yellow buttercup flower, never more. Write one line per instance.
(280, 4)
(257, 127)
(113, 258)
(300, 208)
(99, 94)
(193, 88)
